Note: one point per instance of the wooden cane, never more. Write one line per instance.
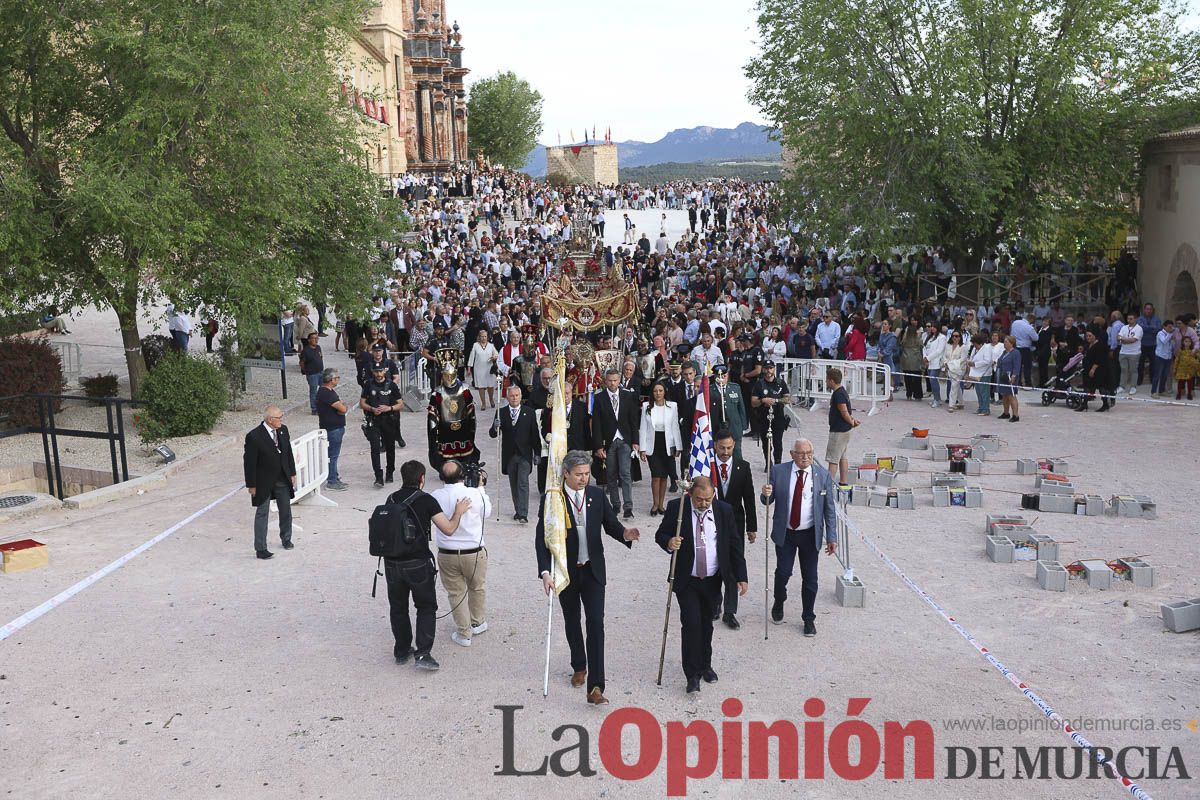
(766, 545)
(662, 655)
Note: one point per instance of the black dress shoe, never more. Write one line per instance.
(288, 546)
(732, 621)
(693, 685)
(709, 676)
(404, 659)
(674, 486)
(1005, 415)
(264, 554)
(777, 612)
(628, 513)
(810, 629)
(379, 483)
(388, 478)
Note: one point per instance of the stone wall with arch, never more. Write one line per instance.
(1169, 240)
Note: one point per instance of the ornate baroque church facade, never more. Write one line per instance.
(404, 73)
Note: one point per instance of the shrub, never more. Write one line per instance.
(20, 323)
(29, 366)
(154, 347)
(184, 396)
(98, 386)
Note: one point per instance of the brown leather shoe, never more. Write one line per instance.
(596, 698)
(578, 678)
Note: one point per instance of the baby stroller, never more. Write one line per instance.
(1064, 384)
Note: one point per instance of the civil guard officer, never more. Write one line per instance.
(380, 402)
(769, 399)
(727, 411)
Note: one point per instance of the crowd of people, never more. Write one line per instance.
(728, 307)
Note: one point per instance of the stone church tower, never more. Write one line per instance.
(404, 72)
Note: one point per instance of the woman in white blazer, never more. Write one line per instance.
(933, 351)
(660, 442)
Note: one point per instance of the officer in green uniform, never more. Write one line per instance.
(728, 410)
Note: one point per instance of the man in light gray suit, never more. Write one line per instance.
(805, 516)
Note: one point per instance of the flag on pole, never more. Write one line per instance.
(593, 132)
(702, 461)
(572, 136)
(555, 514)
(560, 137)
(585, 136)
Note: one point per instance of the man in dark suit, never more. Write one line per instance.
(579, 433)
(615, 431)
(684, 395)
(519, 449)
(735, 486)
(710, 552)
(589, 512)
(805, 517)
(270, 471)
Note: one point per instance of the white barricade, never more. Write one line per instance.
(311, 452)
(867, 381)
(72, 360)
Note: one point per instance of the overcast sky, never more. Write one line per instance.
(645, 67)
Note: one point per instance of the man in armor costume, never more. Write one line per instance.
(451, 415)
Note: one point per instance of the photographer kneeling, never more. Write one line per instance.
(380, 400)
(462, 559)
(414, 575)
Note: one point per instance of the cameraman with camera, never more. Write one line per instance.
(413, 573)
(380, 402)
(461, 557)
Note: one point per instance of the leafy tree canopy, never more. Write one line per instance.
(198, 150)
(970, 122)
(506, 119)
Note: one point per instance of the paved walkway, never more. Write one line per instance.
(198, 671)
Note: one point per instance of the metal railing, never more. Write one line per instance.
(868, 381)
(114, 409)
(1076, 288)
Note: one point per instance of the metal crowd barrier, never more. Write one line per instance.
(866, 381)
(71, 357)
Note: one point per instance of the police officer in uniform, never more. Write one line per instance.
(728, 411)
(380, 402)
(734, 361)
(770, 393)
(752, 367)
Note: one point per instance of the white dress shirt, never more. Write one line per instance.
(469, 533)
(704, 527)
(806, 502)
(614, 399)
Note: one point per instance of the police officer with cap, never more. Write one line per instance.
(770, 393)
(380, 402)
(727, 411)
(375, 356)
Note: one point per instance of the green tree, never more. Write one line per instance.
(197, 150)
(969, 122)
(506, 119)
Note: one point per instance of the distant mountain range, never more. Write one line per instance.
(685, 145)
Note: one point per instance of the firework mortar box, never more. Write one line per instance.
(24, 554)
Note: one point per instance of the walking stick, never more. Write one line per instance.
(662, 655)
(549, 628)
(766, 544)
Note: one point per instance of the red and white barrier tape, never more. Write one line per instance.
(1075, 736)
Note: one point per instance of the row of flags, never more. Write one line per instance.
(701, 462)
(586, 140)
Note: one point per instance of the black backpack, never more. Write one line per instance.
(395, 532)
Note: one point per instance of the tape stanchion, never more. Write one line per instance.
(1112, 397)
(1046, 709)
(66, 594)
